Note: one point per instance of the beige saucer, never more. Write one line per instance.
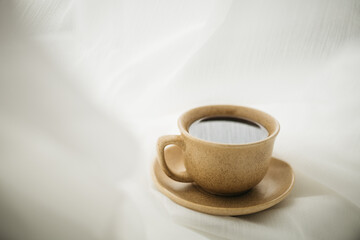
(275, 186)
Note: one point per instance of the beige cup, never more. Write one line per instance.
(224, 169)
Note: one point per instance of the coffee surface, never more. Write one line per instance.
(227, 130)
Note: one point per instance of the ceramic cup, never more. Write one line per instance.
(223, 169)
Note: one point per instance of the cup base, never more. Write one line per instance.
(219, 194)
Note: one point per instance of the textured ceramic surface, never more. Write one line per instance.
(274, 187)
(224, 169)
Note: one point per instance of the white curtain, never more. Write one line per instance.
(87, 87)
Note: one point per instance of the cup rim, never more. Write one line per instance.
(184, 131)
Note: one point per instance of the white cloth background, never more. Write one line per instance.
(86, 87)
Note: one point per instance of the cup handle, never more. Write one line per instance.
(177, 140)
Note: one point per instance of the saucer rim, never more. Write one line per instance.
(222, 211)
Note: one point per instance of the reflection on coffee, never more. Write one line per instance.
(227, 130)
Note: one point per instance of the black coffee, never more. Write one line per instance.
(227, 130)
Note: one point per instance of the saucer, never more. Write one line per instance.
(276, 185)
